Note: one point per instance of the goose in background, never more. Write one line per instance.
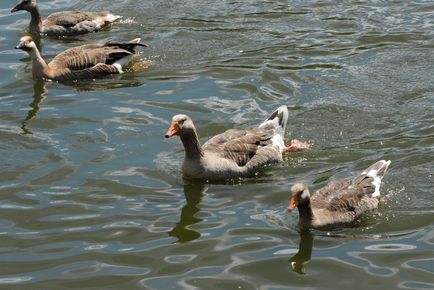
(88, 61)
(234, 153)
(64, 23)
(340, 202)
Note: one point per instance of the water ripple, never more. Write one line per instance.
(92, 193)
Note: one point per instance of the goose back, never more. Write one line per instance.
(92, 60)
(239, 146)
(86, 56)
(76, 22)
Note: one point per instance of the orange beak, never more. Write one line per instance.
(173, 130)
(293, 202)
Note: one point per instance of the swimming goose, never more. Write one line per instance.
(64, 23)
(341, 201)
(82, 62)
(234, 153)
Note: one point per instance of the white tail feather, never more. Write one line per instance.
(135, 40)
(111, 17)
(118, 67)
(377, 171)
(278, 120)
(105, 19)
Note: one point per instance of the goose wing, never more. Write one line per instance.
(329, 191)
(97, 71)
(71, 18)
(87, 56)
(351, 204)
(346, 195)
(239, 146)
(76, 22)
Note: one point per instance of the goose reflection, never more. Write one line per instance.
(193, 192)
(303, 256)
(39, 94)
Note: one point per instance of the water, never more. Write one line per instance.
(91, 192)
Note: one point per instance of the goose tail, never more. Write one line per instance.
(109, 18)
(277, 120)
(376, 171)
(129, 46)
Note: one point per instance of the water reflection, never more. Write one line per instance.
(357, 67)
(39, 94)
(115, 81)
(299, 260)
(193, 192)
(355, 251)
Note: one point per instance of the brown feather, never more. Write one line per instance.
(239, 145)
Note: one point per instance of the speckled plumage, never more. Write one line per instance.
(341, 201)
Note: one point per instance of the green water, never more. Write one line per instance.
(91, 192)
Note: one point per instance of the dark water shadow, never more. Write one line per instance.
(39, 94)
(115, 81)
(302, 257)
(193, 192)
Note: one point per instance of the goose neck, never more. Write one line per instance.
(192, 147)
(36, 20)
(305, 213)
(39, 66)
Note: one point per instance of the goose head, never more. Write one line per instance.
(181, 125)
(27, 44)
(299, 195)
(26, 5)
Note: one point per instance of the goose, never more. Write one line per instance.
(340, 202)
(234, 153)
(64, 23)
(82, 62)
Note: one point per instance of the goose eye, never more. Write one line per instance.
(181, 122)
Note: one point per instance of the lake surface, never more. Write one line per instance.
(92, 195)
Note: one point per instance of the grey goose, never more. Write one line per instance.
(64, 23)
(340, 202)
(87, 61)
(234, 153)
